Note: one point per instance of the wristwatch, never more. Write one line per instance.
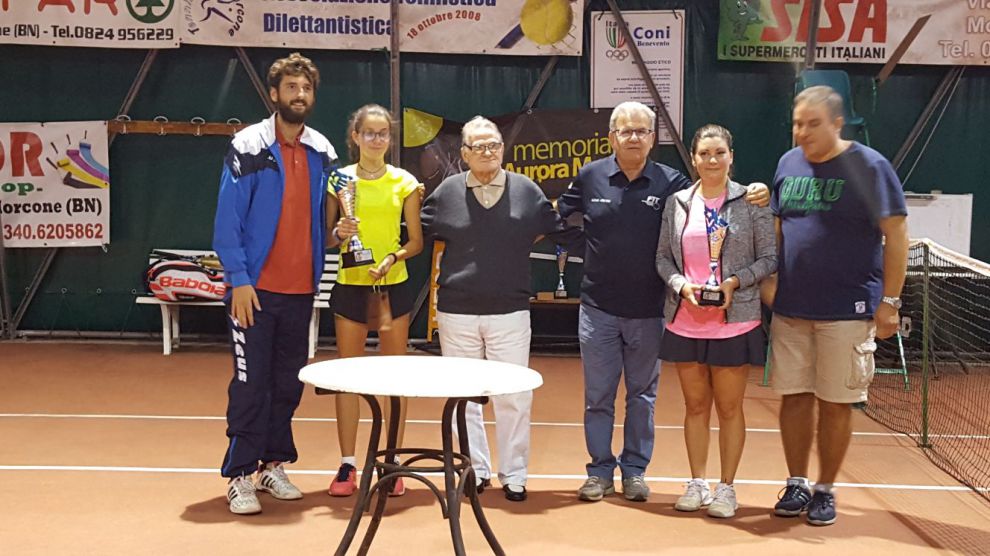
(894, 302)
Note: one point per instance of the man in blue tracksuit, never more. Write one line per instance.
(269, 236)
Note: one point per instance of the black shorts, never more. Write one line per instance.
(746, 349)
(351, 302)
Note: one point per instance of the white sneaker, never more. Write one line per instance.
(724, 503)
(241, 496)
(274, 481)
(696, 496)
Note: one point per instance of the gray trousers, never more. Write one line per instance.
(613, 347)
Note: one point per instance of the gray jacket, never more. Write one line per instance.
(749, 251)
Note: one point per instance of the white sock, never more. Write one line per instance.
(803, 481)
(824, 487)
(349, 459)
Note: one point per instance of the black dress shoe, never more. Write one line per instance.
(485, 483)
(514, 496)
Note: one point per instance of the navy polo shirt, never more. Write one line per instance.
(622, 226)
(831, 250)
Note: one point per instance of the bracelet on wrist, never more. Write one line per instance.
(395, 258)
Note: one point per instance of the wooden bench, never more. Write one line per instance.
(170, 309)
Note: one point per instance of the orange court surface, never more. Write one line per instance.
(114, 449)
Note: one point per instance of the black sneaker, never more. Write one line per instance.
(821, 509)
(485, 483)
(793, 501)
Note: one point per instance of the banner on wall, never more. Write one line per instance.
(615, 78)
(516, 27)
(550, 146)
(100, 23)
(54, 184)
(856, 31)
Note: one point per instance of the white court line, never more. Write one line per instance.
(575, 478)
(409, 421)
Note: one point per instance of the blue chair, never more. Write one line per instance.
(839, 81)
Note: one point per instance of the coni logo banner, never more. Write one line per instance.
(616, 40)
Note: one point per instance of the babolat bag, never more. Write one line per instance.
(175, 277)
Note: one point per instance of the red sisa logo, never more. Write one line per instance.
(869, 15)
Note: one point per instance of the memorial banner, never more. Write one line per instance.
(550, 146)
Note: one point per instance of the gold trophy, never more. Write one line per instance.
(354, 253)
(561, 292)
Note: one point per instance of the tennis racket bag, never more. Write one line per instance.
(175, 277)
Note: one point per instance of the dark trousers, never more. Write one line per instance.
(265, 389)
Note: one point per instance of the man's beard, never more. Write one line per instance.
(289, 115)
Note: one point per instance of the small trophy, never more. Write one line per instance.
(561, 292)
(717, 227)
(354, 254)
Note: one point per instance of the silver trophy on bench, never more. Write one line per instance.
(561, 292)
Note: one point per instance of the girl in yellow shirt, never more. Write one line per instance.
(384, 196)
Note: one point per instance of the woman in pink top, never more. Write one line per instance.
(714, 250)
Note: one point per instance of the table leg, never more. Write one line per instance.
(449, 474)
(385, 482)
(471, 490)
(369, 467)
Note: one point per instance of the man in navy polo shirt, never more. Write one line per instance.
(836, 202)
(621, 315)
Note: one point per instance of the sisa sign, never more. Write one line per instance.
(861, 17)
(863, 31)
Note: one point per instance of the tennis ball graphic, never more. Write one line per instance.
(419, 128)
(546, 21)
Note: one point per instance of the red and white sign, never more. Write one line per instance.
(54, 184)
(102, 23)
(509, 27)
(956, 32)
